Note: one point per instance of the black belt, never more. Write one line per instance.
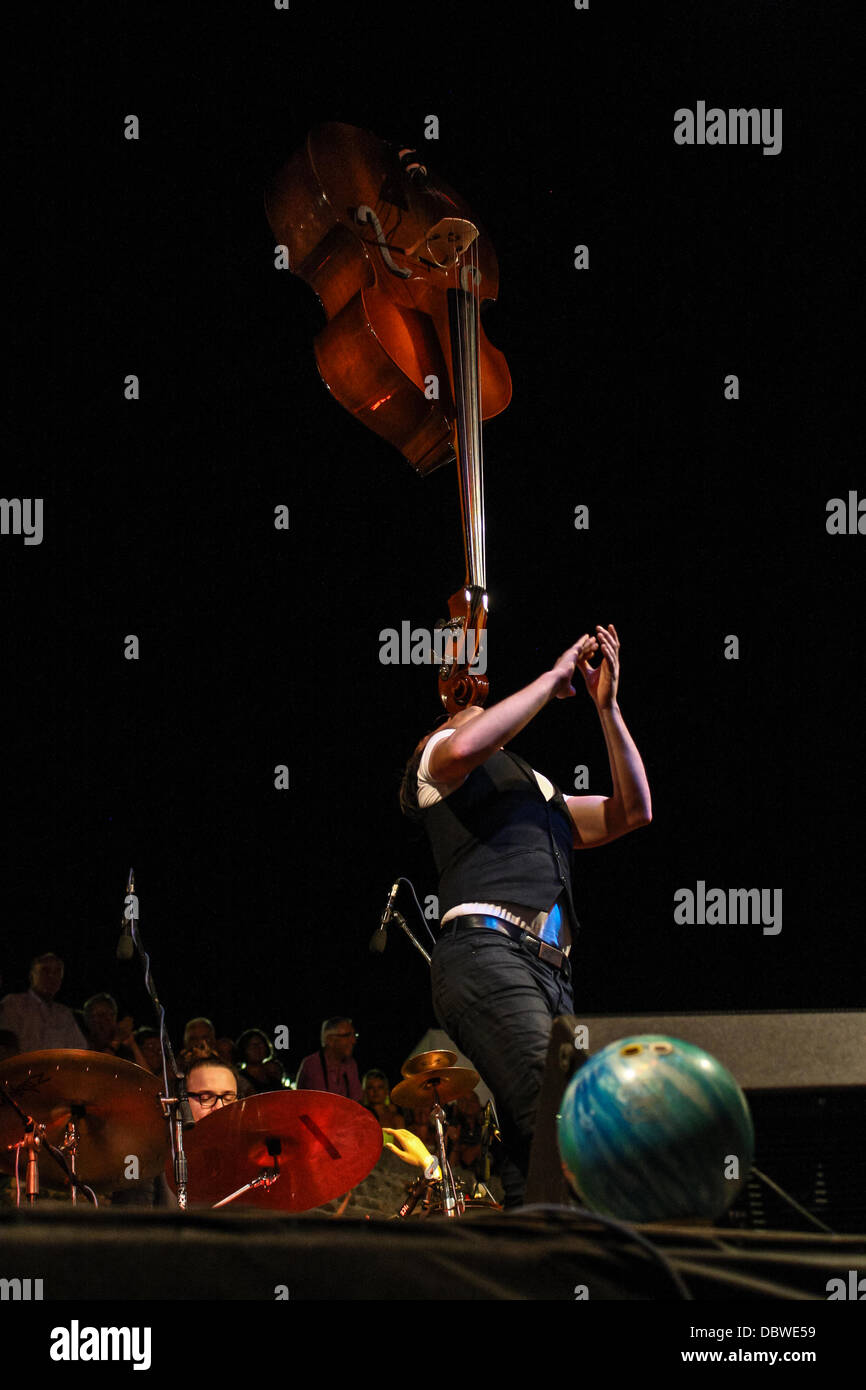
(551, 955)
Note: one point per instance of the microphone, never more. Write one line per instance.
(126, 945)
(379, 939)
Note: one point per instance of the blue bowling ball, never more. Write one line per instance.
(655, 1129)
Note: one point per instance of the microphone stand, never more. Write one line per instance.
(402, 924)
(175, 1103)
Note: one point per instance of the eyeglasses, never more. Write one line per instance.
(208, 1099)
(345, 1035)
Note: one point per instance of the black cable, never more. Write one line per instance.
(621, 1227)
(792, 1202)
(411, 888)
(60, 1158)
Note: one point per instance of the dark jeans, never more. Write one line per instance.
(498, 1001)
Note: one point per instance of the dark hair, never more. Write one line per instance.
(212, 1060)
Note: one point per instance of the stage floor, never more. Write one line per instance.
(82, 1255)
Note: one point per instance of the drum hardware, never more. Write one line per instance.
(427, 1061)
(444, 1083)
(267, 1179)
(89, 1110)
(70, 1146)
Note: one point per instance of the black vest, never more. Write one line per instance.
(495, 839)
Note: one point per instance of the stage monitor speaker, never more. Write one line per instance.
(804, 1075)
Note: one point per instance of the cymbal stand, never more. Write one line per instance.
(70, 1147)
(31, 1144)
(265, 1179)
(34, 1140)
(450, 1203)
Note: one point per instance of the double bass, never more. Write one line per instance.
(403, 270)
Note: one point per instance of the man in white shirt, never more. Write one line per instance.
(34, 1017)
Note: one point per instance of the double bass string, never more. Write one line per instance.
(469, 407)
(476, 406)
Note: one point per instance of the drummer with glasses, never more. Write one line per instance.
(210, 1084)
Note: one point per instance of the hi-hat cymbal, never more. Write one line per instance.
(322, 1144)
(428, 1061)
(448, 1082)
(115, 1105)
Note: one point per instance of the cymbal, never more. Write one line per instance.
(115, 1104)
(323, 1145)
(450, 1082)
(428, 1061)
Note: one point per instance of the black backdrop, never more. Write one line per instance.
(261, 647)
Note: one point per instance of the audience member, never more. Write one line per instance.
(37, 1020)
(421, 1125)
(466, 1146)
(226, 1051)
(148, 1044)
(375, 1096)
(199, 1040)
(333, 1067)
(106, 1034)
(258, 1064)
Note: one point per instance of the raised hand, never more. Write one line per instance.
(582, 649)
(602, 681)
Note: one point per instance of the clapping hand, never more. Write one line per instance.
(602, 681)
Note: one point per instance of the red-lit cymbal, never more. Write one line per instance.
(449, 1082)
(323, 1144)
(115, 1105)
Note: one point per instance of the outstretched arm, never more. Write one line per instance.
(600, 819)
(473, 742)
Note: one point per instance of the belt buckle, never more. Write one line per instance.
(546, 952)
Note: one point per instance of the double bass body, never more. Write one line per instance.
(384, 284)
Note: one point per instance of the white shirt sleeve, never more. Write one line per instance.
(429, 792)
